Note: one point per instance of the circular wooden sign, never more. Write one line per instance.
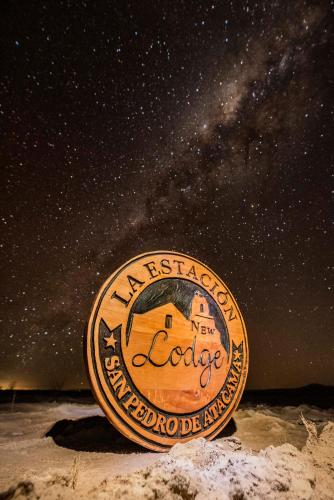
(167, 350)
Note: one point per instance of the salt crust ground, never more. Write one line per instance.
(223, 469)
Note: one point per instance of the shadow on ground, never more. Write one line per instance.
(96, 434)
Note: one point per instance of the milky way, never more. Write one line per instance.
(200, 127)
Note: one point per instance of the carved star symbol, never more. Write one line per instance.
(110, 341)
(237, 355)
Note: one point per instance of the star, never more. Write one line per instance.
(237, 355)
(110, 341)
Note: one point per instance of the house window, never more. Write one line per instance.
(168, 321)
(201, 308)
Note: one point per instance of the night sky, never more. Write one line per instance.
(200, 127)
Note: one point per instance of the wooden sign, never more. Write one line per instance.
(167, 351)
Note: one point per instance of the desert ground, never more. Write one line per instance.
(69, 450)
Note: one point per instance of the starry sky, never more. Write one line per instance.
(201, 127)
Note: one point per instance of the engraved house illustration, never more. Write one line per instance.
(170, 319)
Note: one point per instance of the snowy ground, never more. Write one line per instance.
(268, 456)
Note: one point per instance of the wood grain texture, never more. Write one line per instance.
(167, 350)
